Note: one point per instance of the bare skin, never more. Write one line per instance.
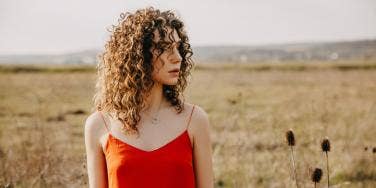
(153, 137)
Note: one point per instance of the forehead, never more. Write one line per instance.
(170, 31)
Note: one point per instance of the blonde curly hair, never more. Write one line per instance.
(125, 66)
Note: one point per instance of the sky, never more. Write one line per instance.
(64, 26)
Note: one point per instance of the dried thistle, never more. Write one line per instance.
(290, 138)
(291, 142)
(325, 145)
(316, 175)
(374, 150)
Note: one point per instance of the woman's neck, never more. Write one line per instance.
(155, 101)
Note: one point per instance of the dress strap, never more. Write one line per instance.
(190, 116)
(105, 124)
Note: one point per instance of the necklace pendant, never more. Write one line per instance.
(154, 121)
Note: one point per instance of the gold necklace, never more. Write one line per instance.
(154, 119)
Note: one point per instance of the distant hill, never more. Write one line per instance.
(362, 49)
(365, 49)
(83, 57)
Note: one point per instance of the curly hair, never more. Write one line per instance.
(125, 66)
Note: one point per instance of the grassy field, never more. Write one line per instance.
(43, 109)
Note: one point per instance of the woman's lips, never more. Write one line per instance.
(175, 73)
(174, 70)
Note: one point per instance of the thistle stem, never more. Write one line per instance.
(293, 166)
(327, 166)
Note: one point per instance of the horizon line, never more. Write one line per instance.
(67, 52)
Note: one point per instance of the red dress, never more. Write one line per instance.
(170, 166)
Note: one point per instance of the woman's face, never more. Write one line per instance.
(168, 61)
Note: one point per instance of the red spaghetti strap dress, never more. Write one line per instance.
(170, 166)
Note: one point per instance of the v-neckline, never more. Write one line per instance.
(153, 150)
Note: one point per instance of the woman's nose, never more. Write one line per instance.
(176, 57)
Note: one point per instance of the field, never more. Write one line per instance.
(43, 109)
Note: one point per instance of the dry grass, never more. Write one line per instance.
(42, 117)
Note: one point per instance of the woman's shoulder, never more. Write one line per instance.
(94, 125)
(198, 110)
(199, 118)
(199, 129)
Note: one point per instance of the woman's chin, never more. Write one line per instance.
(172, 82)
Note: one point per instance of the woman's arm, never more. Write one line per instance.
(96, 162)
(202, 150)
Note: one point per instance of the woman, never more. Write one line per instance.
(142, 133)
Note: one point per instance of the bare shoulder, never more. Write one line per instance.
(96, 161)
(94, 127)
(91, 122)
(201, 115)
(199, 120)
(202, 148)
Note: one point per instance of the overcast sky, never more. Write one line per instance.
(61, 26)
